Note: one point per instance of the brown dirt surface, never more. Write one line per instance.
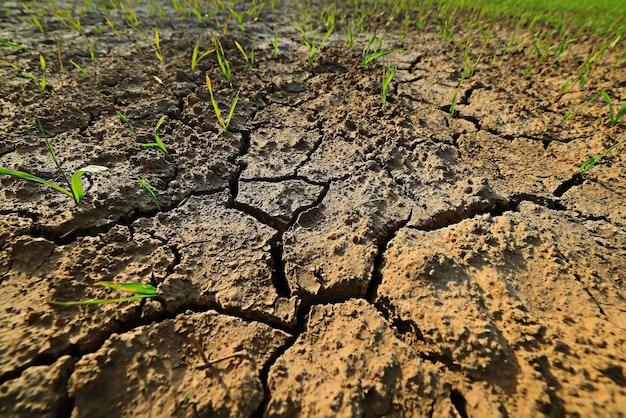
(327, 255)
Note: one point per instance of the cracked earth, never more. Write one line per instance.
(328, 255)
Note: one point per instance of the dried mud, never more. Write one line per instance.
(330, 256)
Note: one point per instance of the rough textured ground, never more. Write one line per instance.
(330, 255)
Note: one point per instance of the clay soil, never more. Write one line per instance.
(330, 255)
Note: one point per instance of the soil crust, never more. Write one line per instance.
(327, 254)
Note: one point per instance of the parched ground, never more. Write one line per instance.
(328, 255)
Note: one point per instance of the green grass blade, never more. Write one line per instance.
(146, 186)
(6, 42)
(587, 165)
(26, 176)
(79, 68)
(77, 185)
(157, 138)
(194, 55)
(621, 112)
(125, 119)
(216, 108)
(137, 288)
(232, 107)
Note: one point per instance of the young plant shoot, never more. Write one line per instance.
(223, 123)
(141, 291)
(196, 57)
(157, 139)
(147, 187)
(388, 73)
(75, 185)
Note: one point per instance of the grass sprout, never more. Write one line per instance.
(249, 60)
(239, 17)
(157, 139)
(196, 57)
(587, 165)
(141, 291)
(571, 112)
(5, 42)
(146, 186)
(469, 67)
(350, 34)
(275, 45)
(221, 59)
(44, 80)
(388, 73)
(75, 185)
(223, 123)
(124, 119)
(157, 46)
(614, 118)
(79, 68)
(314, 44)
(371, 54)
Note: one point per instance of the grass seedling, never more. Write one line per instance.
(195, 58)
(157, 139)
(239, 17)
(571, 112)
(44, 80)
(223, 123)
(249, 60)
(141, 291)
(370, 54)
(146, 186)
(75, 185)
(125, 120)
(586, 166)
(469, 67)
(157, 46)
(20, 70)
(388, 73)
(113, 28)
(612, 116)
(350, 34)
(275, 45)
(158, 80)
(79, 68)
(5, 42)
(314, 45)
(221, 59)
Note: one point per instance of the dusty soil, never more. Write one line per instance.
(331, 255)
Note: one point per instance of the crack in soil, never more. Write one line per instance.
(383, 242)
(459, 402)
